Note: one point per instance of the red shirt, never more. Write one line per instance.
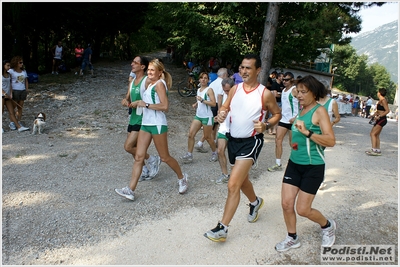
(79, 50)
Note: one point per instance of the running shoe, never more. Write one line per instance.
(287, 244)
(145, 174)
(22, 129)
(200, 149)
(126, 192)
(214, 157)
(154, 166)
(12, 126)
(218, 234)
(224, 178)
(328, 234)
(373, 153)
(253, 215)
(183, 184)
(274, 168)
(187, 158)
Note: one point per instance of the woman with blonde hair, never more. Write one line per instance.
(154, 127)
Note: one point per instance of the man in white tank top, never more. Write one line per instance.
(58, 53)
(247, 103)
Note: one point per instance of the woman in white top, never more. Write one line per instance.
(204, 118)
(7, 97)
(331, 106)
(19, 83)
(154, 126)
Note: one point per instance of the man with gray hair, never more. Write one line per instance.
(219, 92)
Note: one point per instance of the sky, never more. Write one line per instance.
(377, 16)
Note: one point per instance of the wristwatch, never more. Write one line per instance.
(311, 133)
(147, 105)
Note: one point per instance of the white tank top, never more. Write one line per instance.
(153, 117)
(58, 52)
(290, 105)
(203, 110)
(244, 108)
(224, 126)
(6, 84)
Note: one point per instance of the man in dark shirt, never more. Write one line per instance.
(276, 90)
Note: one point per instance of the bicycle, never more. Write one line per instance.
(189, 89)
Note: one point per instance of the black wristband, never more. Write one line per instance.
(311, 133)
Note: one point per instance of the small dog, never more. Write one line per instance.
(38, 124)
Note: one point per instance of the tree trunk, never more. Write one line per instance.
(267, 46)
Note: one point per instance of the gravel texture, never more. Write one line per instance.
(60, 208)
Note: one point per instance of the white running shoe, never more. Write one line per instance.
(287, 244)
(328, 234)
(126, 192)
(22, 128)
(183, 184)
(154, 166)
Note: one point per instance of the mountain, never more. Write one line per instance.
(381, 45)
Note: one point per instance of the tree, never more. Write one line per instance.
(267, 46)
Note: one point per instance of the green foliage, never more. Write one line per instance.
(359, 78)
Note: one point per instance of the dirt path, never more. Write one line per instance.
(59, 205)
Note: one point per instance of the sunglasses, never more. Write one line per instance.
(286, 79)
(21, 62)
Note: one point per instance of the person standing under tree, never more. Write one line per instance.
(87, 60)
(78, 57)
(247, 103)
(58, 53)
(7, 98)
(19, 85)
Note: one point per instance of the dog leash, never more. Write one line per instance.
(15, 102)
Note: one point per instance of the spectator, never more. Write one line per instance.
(213, 74)
(368, 106)
(237, 77)
(356, 106)
(58, 53)
(78, 57)
(229, 69)
(276, 90)
(7, 98)
(87, 60)
(19, 85)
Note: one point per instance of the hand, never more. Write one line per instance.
(301, 127)
(221, 116)
(259, 126)
(199, 98)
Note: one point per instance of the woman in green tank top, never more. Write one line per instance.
(311, 133)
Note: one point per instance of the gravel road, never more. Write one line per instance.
(60, 208)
